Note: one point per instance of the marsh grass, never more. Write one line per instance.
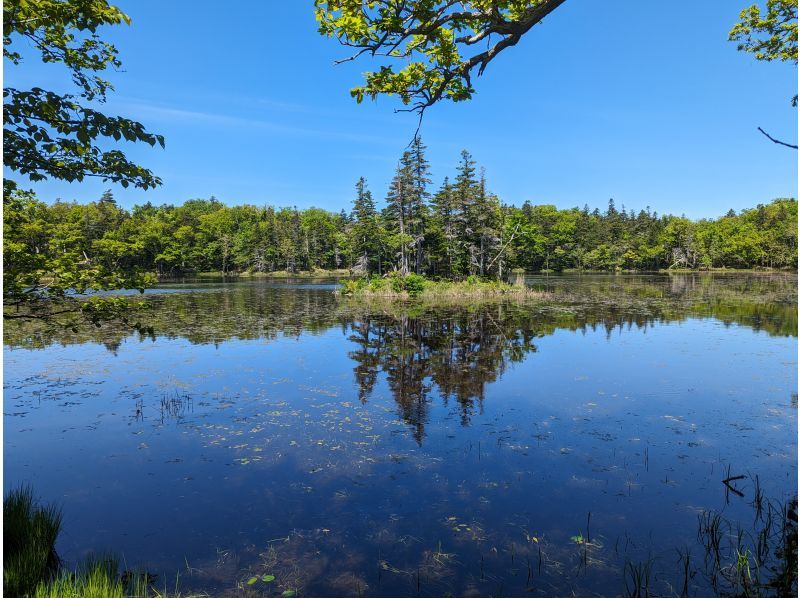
(637, 577)
(753, 562)
(175, 406)
(96, 578)
(99, 577)
(29, 537)
(413, 286)
(33, 569)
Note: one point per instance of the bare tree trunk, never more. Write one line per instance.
(482, 253)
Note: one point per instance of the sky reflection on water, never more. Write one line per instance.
(351, 449)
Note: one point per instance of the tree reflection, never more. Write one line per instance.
(451, 354)
(447, 353)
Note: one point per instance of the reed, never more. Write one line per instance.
(30, 530)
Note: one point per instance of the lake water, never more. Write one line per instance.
(576, 444)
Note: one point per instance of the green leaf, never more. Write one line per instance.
(267, 578)
(252, 580)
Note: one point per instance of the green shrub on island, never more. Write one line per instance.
(414, 286)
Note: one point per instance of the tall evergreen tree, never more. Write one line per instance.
(443, 205)
(397, 212)
(419, 179)
(365, 228)
(485, 219)
(464, 193)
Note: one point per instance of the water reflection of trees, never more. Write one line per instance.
(432, 352)
(450, 353)
(252, 311)
(241, 312)
(761, 301)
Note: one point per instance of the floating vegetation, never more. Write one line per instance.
(394, 287)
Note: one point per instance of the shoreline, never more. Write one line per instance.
(347, 274)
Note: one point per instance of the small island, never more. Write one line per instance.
(414, 286)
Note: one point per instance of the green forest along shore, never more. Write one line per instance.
(460, 230)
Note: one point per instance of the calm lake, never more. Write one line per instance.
(576, 444)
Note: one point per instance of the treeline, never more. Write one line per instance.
(459, 229)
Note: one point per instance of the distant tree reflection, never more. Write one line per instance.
(451, 354)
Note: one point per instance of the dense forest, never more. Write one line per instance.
(457, 230)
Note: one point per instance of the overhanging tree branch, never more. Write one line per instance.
(773, 140)
(432, 42)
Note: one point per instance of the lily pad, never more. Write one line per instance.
(267, 578)
(252, 580)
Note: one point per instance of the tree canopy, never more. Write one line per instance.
(62, 136)
(769, 35)
(437, 45)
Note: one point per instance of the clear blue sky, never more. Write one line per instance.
(645, 102)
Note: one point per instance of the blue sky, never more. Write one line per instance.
(645, 102)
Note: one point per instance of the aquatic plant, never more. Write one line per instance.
(751, 562)
(33, 569)
(637, 579)
(96, 578)
(29, 537)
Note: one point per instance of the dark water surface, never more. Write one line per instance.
(355, 449)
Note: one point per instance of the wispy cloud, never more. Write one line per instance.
(146, 110)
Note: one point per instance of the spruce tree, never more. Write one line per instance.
(464, 193)
(419, 179)
(365, 227)
(485, 217)
(443, 208)
(397, 211)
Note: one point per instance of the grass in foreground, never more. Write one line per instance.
(32, 568)
(413, 286)
(29, 538)
(99, 578)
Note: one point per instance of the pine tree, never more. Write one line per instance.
(485, 219)
(365, 229)
(397, 212)
(418, 195)
(443, 208)
(464, 192)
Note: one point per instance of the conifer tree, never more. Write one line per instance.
(418, 195)
(443, 209)
(397, 212)
(365, 228)
(464, 193)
